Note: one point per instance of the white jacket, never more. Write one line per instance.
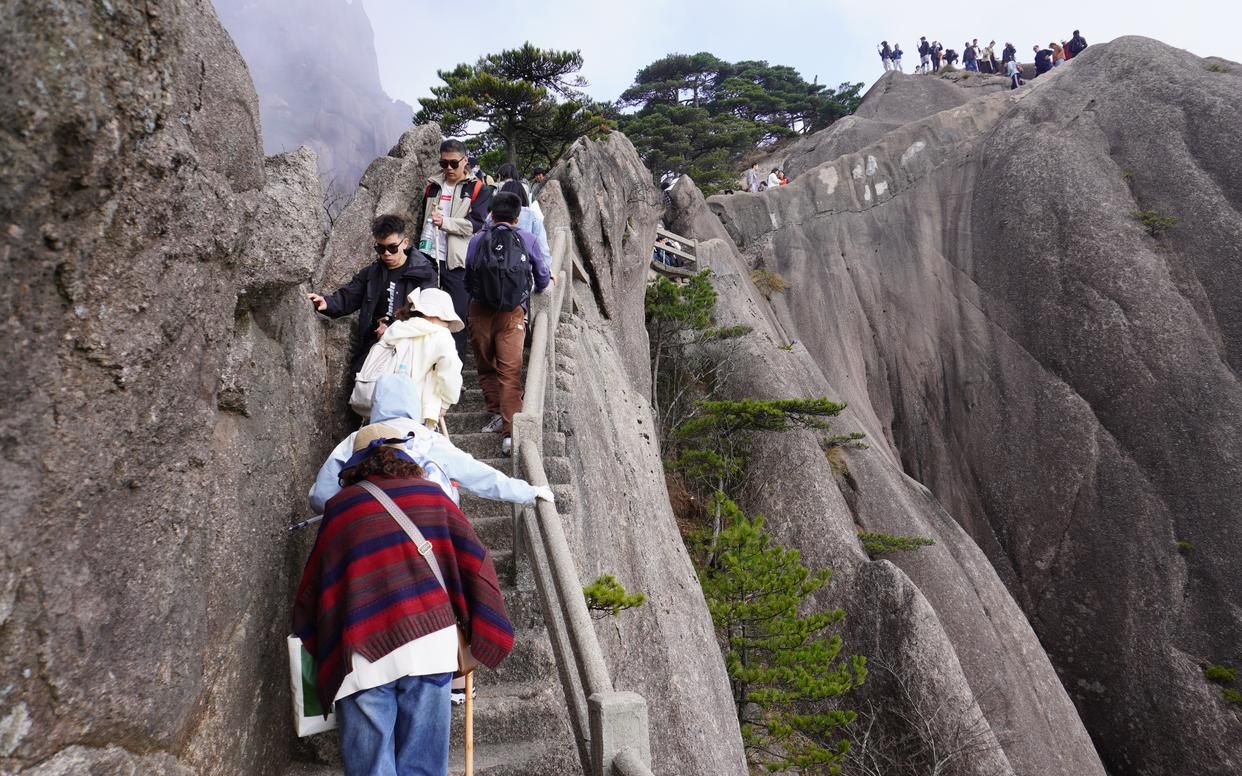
(424, 352)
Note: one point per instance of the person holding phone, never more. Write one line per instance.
(379, 288)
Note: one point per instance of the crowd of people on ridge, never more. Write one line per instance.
(398, 574)
(933, 57)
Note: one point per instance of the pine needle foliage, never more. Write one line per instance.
(608, 597)
(782, 664)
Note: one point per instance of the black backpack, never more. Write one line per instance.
(500, 274)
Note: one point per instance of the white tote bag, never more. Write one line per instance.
(308, 716)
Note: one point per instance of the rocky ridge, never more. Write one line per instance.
(977, 284)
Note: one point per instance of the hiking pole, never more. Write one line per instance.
(306, 522)
(470, 724)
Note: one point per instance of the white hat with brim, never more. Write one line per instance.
(434, 303)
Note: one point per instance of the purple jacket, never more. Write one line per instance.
(538, 262)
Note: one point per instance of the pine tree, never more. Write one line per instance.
(782, 667)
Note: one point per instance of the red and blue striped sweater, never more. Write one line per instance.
(366, 590)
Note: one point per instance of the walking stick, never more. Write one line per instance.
(470, 724)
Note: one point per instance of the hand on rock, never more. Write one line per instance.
(318, 301)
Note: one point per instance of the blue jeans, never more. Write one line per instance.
(397, 729)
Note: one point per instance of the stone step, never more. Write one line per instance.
(462, 422)
(513, 712)
(527, 758)
(471, 400)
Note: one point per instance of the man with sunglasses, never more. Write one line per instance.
(379, 288)
(455, 206)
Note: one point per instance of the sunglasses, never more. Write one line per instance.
(450, 163)
(382, 248)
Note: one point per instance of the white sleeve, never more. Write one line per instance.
(328, 480)
(476, 477)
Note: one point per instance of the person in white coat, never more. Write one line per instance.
(396, 403)
(419, 344)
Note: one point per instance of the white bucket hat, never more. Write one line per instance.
(434, 303)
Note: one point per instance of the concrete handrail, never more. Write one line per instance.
(610, 727)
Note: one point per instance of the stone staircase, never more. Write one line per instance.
(521, 726)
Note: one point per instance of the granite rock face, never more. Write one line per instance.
(315, 68)
(164, 373)
(666, 649)
(977, 285)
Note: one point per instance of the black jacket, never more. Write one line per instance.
(367, 295)
(1076, 45)
(1043, 60)
(1008, 54)
(924, 49)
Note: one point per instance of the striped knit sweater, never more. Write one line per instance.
(366, 590)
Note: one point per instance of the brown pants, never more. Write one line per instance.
(497, 339)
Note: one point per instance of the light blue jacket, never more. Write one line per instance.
(397, 403)
(533, 223)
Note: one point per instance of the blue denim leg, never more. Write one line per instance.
(422, 732)
(367, 720)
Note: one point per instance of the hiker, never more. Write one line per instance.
(398, 402)
(454, 208)
(989, 59)
(1043, 60)
(531, 220)
(970, 58)
(501, 264)
(1014, 71)
(897, 58)
(1076, 45)
(774, 178)
(924, 55)
(379, 288)
(377, 614)
(1058, 54)
(950, 57)
(752, 178)
(419, 343)
(538, 177)
(784, 178)
(937, 54)
(886, 56)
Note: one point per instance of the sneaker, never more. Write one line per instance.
(494, 425)
(506, 447)
(458, 696)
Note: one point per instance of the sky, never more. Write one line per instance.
(832, 39)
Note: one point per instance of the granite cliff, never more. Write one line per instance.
(976, 278)
(314, 66)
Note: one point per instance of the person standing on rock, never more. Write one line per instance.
(752, 178)
(502, 263)
(1043, 60)
(1076, 45)
(970, 58)
(897, 52)
(381, 618)
(454, 208)
(774, 178)
(378, 289)
(937, 55)
(1058, 54)
(1009, 54)
(1014, 71)
(538, 177)
(924, 55)
(989, 59)
(886, 55)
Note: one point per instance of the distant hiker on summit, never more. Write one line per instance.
(897, 52)
(379, 288)
(1043, 60)
(454, 208)
(502, 263)
(937, 54)
(886, 55)
(970, 58)
(1076, 46)
(924, 56)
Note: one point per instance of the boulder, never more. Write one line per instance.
(164, 373)
(622, 523)
(979, 285)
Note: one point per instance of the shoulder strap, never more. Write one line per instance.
(474, 192)
(416, 536)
